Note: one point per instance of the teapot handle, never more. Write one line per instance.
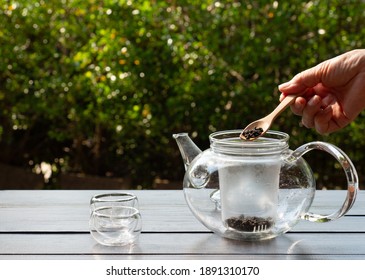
(351, 175)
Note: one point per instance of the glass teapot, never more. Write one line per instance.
(255, 190)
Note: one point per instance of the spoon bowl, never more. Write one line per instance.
(259, 127)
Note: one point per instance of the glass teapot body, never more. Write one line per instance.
(256, 190)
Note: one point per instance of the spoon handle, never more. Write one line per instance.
(283, 105)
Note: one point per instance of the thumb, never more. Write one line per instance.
(291, 87)
(302, 81)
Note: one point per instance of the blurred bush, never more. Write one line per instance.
(99, 87)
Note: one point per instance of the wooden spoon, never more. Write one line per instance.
(259, 127)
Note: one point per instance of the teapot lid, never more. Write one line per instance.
(228, 142)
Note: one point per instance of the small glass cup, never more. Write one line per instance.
(113, 199)
(115, 225)
(115, 219)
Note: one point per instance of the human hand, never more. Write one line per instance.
(331, 94)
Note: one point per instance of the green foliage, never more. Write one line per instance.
(100, 86)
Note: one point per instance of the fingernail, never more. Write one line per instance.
(314, 100)
(300, 104)
(326, 110)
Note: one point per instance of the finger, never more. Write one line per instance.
(311, 77)
(306, 79)
(311, 109)
(328, 100)
(291, 87)
(298, 106)
(322, 121)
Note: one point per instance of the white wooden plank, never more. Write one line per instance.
(307, 246)
(328, 201)
(69, 211)
(162, 211)
(331, 199)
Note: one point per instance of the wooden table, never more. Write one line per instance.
(53, 224)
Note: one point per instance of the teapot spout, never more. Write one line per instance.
(187, 148)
